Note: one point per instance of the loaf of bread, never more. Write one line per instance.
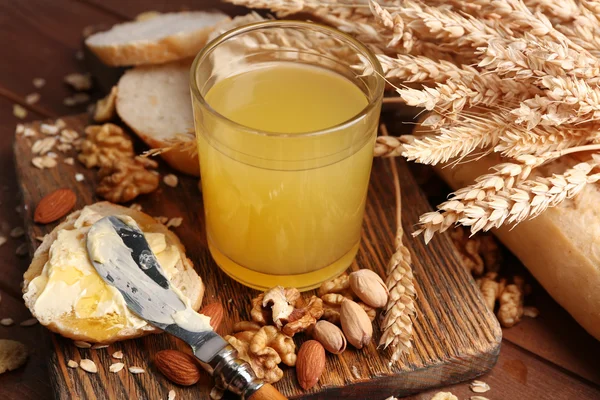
(561, 247)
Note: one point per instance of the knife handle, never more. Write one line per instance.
(267, 392)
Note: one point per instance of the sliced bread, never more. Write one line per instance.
(95, 329)
(164, 38)
(154, 101)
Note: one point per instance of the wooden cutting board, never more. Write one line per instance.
(455, 337)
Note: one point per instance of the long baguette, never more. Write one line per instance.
(561, 247)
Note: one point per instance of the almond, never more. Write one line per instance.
(330, 336)
(54, 206)
(215, 312)
(178, 367)
(310, 363)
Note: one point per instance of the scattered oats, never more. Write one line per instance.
(79, 177)
(161, 220)
(171, 395)
(444, 396)
(79, 56)
(174, 222)
(40, 238)
(479, 386)
(69, 161)
(136, 370)
(136, 206)
(22, 250)
(64, 147)
(88, 366)
(81, 344)
(76, 99)
(19, 129)
(68, 136)
(32, 98)
(42, 146)
(72, 364)
(17, 232)
(29, 132)
(116, 367)
(29, 322)
(48, 129)
(531, 312)
(2, 240)
(99, 346)
(19, 111)
(38, 83)
(60, 123)
(7, 321)
(216, 393)
(44, 162)
(355, 372)
(52, 154)
(79, 81)
(478, 398)
(171, 180)
(117, 354)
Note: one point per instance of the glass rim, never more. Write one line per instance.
(363, 50)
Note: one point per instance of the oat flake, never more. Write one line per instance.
(136, 370)
(117, 354)
(172, 395)
(98, 346)
(29, 322)
(19, 111)
(6, 321)
(116, 367)
(38, 83)
(479, 386)
(17, 232)
(32, 98)
(2, 240)
(88, 366)
(72, 364)
(81, 344)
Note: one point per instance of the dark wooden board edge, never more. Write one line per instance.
(476, 349)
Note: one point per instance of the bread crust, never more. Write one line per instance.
(559, 247)
(142, 52)
(186, 281)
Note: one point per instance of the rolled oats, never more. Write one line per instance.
(42, 146)
(79, 81)
(171, 180)
(17, 232)
(88, 366)
(479, 386)
(38, 83)
(7, 322)
(19, 111)
(116, 367)
(69, 161)
(48, 129)
(32, 98)
(136, 370)
(72, 364)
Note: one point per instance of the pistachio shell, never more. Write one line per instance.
(369, 287)
(330, 336)
(355, 323)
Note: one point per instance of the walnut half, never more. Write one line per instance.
(127, 178)
(103, 145)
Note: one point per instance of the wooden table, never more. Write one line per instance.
(542, 358)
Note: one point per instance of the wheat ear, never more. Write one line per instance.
(397, 324)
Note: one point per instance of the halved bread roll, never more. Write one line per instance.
(64, 292)
(164, 38)
(154, 101)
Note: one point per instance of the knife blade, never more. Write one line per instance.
(122, 256)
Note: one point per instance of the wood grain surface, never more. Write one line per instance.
(456, 337)
(553, 349)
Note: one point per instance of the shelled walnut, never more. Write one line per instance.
(126, 178)
(264, 349)
(103, 145)
(286, 309)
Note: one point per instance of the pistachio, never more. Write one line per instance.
(355, 324)
(330, 336)
(369, 287)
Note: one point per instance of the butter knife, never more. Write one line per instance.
(121, 255)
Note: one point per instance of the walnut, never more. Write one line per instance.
(265, 367)
(336, 285)
(304, 317)
(127, 178)
(264, 349)
(104, 145)
(479, 253)
(270, 337)
(246, 326)
(491, 253)
(490, 289)
(511, 303)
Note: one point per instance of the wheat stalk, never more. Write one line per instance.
(506, 196)
(397, 325)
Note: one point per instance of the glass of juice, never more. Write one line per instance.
(286, 116)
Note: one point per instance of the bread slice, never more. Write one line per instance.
(167, 37)
(560, 247)
(185, 279)
(154, 101)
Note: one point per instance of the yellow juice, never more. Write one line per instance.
(283, 205)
